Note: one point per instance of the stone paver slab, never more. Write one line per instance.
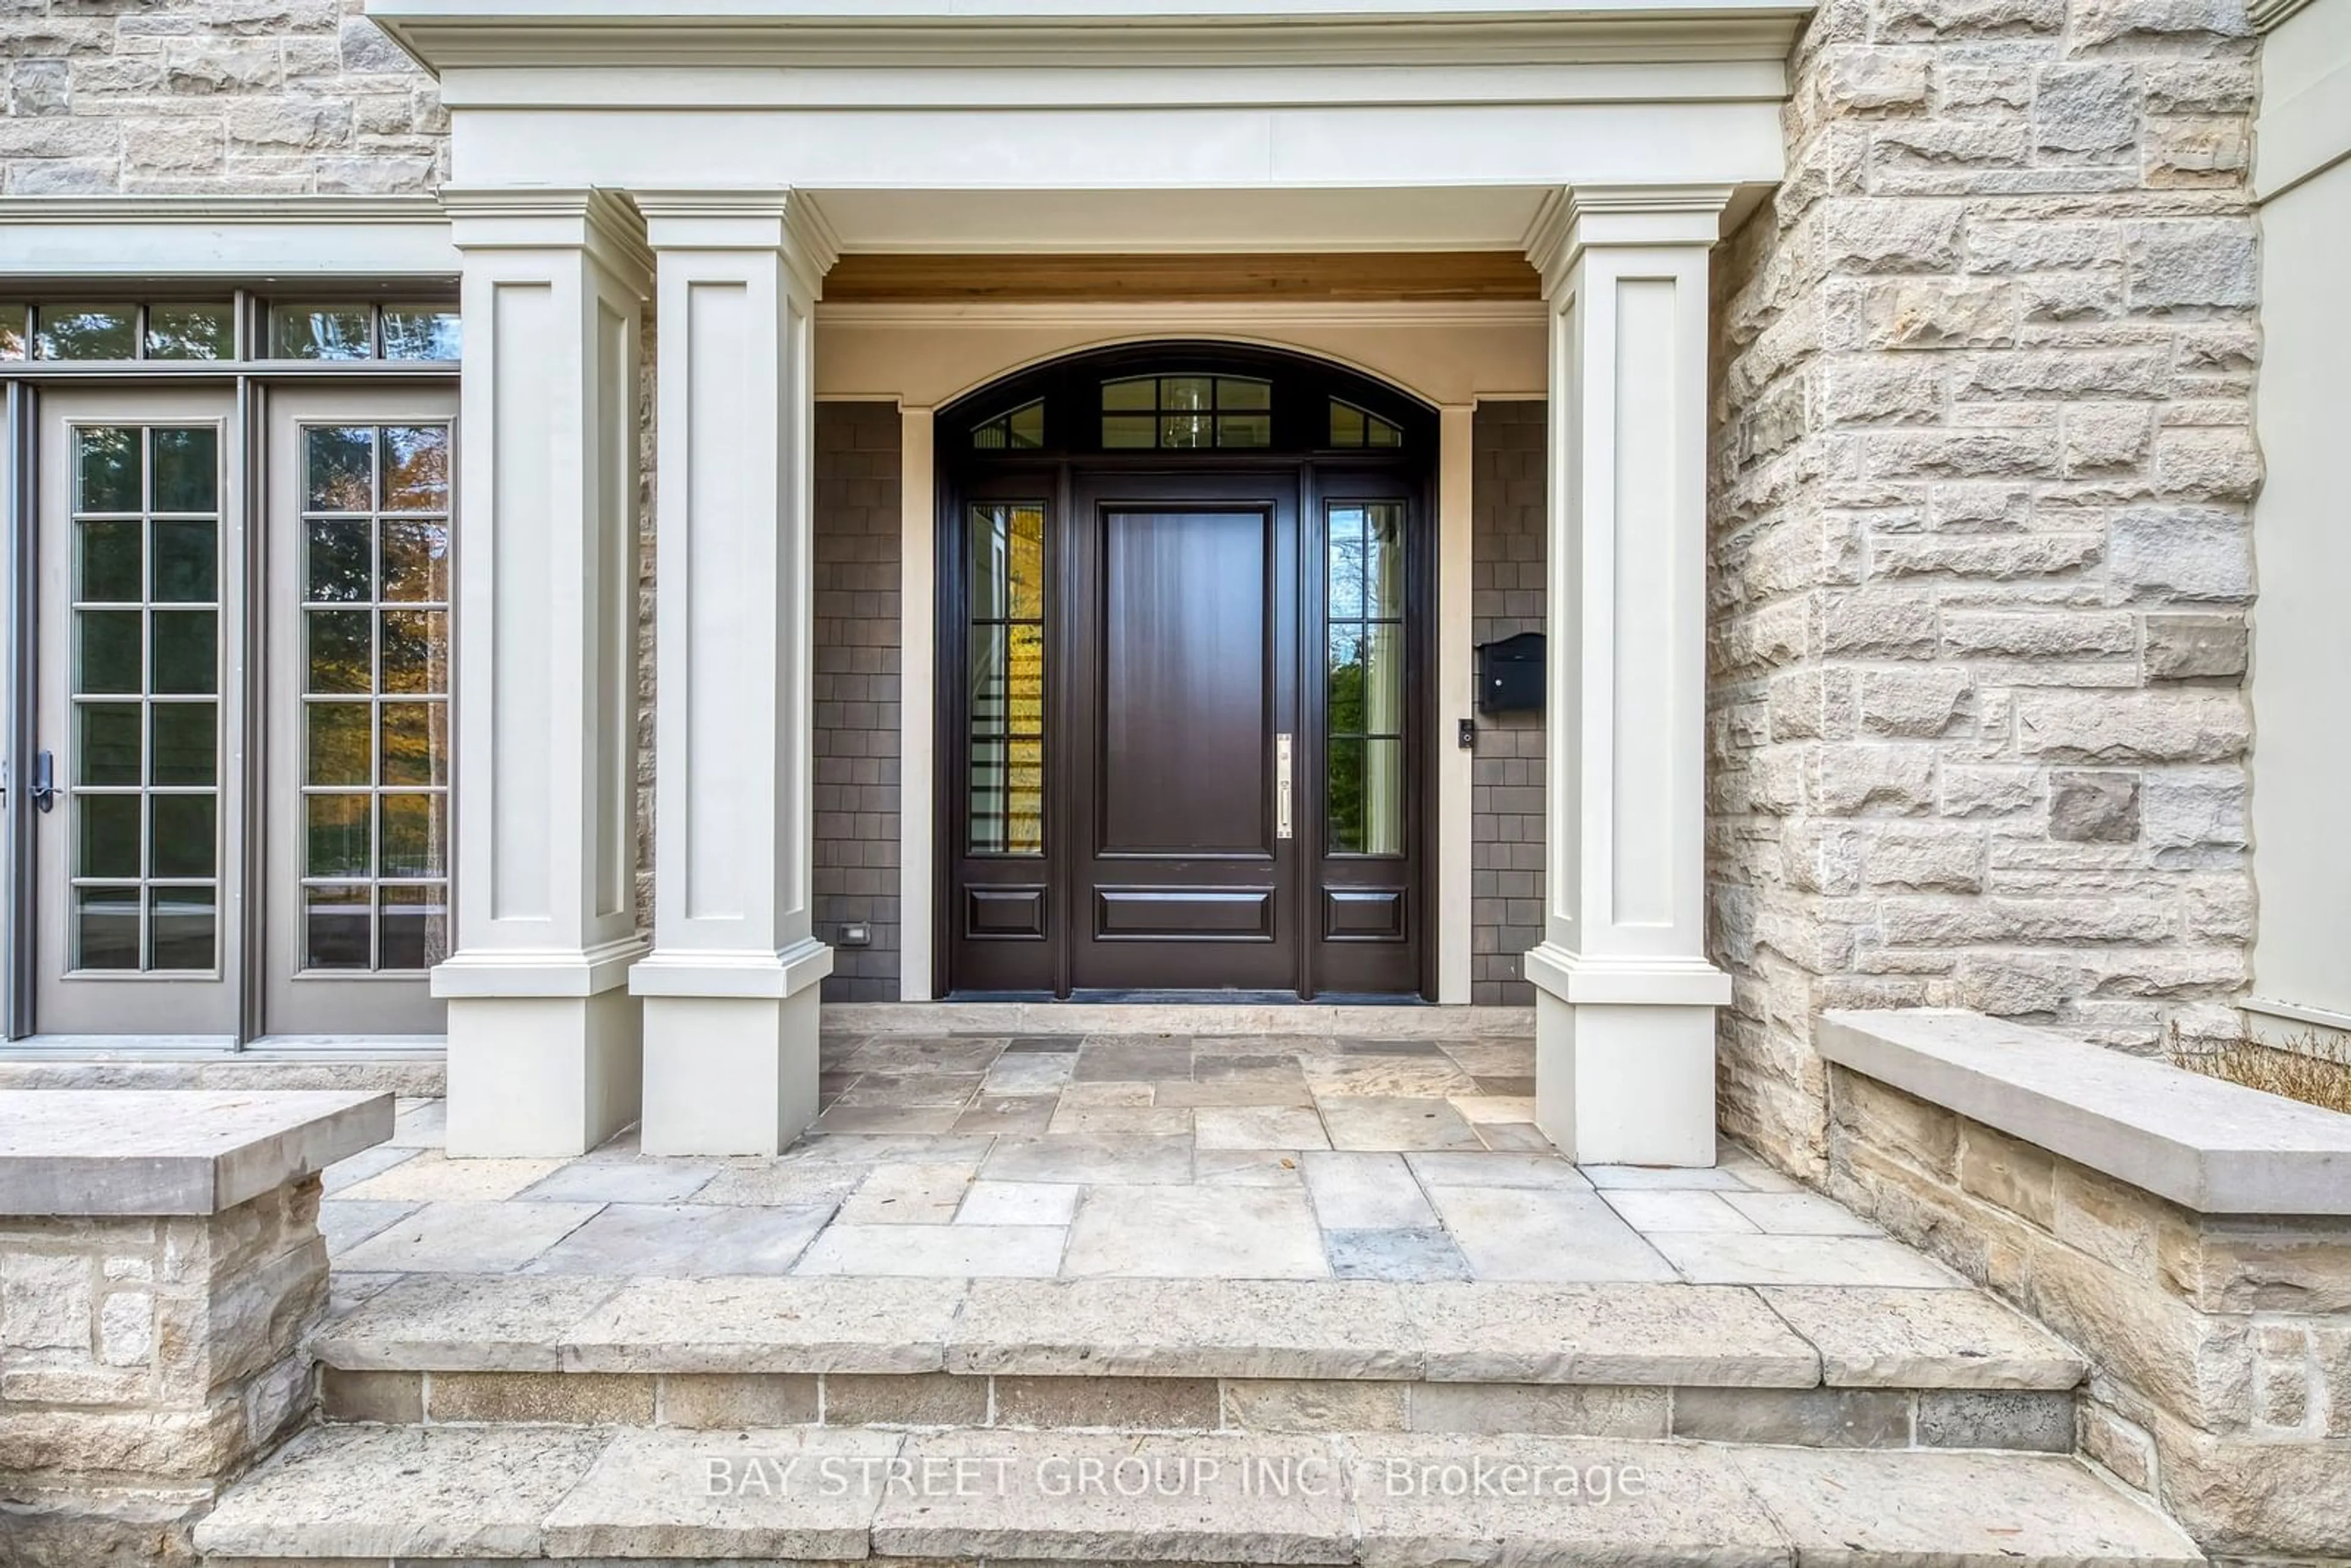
(1366, 1190)
(1258, 1127)
(173, 1151)
(1842, 1509)
(640, 1180)
(346, 1222)
(783, 1184)
(1195, 1232)
(1544, 1234)
(1554, 1501)
(675, 1240)
(1486, 1168)
(945, 1250)
(1403, 1254)
(346, 1172)
(1703, 1177)
(767, 1325)
(1018, 1203)
(379, 1493)
(1924, 1339)
(1801, 1260)
(1186, 1328)
(1799, 1213)
(1202, 1499)
(1395, 1122)
(1091, 1160)
(1647, 1210)
(1712, 1336)
(455, 1322)
(432, 1176)
(468, 1237)
(796, 1494)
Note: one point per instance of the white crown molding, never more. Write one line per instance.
(2268, 15)
(598, 221)
(463, 34)
(218, 210)
(716, 217)
(1574, 219)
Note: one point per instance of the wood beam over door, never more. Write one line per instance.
(1390, 276)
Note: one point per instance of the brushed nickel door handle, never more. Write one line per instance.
(1281, 786)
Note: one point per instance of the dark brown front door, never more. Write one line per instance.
(1165, 572)
(1185, 690)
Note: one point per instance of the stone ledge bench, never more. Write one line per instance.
(2191, 1236)
(160, 1265)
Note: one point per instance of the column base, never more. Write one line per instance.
(546, 1077)
(1625, 1058)
(730, 1050)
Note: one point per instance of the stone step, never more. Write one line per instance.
(372, 1494)
(1876, 1369)
(1649, 1336)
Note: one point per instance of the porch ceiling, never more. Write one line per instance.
(1192, 221)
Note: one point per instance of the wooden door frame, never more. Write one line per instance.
(1051, 471)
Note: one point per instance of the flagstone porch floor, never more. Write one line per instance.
(1134, 1156)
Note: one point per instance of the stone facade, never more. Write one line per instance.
(142, 1361)
(1506, 597)
(2219, 1345)
(857, 729)
(212, 96)
(1980, 475)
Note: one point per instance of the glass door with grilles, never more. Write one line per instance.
(362, 557)
(140, 824)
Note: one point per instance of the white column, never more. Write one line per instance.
(1625, 995)
(543, 1037)
(730, 990)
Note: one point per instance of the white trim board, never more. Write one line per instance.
(145, 238)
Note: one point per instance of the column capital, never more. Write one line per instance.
(1574, 219)
(771, 218)
(582, 219)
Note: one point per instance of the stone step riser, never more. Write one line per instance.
(2017, 1420)
(358, 1493)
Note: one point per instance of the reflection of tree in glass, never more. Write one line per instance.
(70, 332)
(416, 468)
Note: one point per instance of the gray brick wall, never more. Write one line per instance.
(1506, 598)
(857, 646)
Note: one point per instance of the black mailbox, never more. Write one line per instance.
(1510, 674)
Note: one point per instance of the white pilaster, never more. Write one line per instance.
(730, 990)
(1456, 685)
(917, 691)
(543, 1036)
(1625, 994)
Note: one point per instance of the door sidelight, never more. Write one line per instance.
(1281, 786)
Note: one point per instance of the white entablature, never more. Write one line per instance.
(929, 97)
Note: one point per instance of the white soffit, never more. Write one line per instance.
(1456, 217)
(259, 239)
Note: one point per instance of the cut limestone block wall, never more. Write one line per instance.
(212, 96)
(2220, 1344)
(1980, 471)
(1506, 598)
(160, 1264)
(857, 729)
